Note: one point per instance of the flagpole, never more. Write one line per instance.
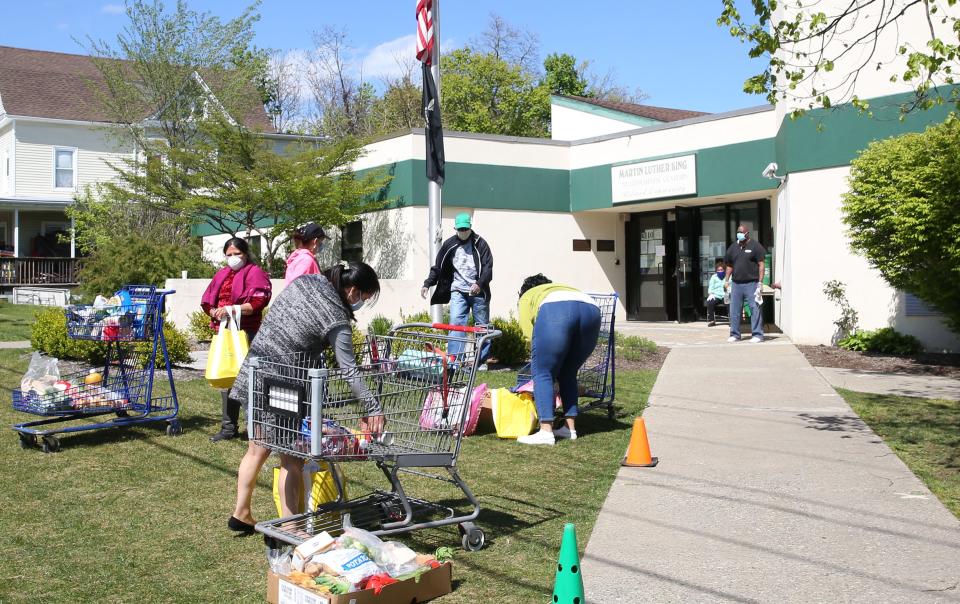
(433, 188)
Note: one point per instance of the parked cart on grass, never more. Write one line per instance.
(597, 378)
(122, 388)
(302, 406)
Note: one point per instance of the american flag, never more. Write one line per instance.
(425, 31)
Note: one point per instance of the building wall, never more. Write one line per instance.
(35, 157)
(569, 124)
(6, 152)
(817, 251)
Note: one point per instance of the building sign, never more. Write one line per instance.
(669, 177)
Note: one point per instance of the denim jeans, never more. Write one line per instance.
(738, 293)
(564, 335)
(461, 305)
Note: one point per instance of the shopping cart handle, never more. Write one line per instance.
(460, 328)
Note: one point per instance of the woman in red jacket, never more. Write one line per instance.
(241, 283)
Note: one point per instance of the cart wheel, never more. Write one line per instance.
(27, 441)
(122, 413)
(611, 412)
(174, 428)
(473, 539)
(51, 444)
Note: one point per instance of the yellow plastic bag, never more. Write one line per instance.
(514, 415)
(319, 486)
(227, 351)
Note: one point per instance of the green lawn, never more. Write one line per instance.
(15, 321)
(136, 516)
(922, 432)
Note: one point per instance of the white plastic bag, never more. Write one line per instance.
(42, 373)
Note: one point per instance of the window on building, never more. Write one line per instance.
(351, 244)
(581, 245)
(65, 168)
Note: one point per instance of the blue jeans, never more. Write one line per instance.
(738, 293)
(460, 306)
(564, 335)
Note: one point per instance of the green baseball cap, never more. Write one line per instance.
(462, 221)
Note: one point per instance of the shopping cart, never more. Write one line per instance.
(299, 404)
(597, 379)
(122, 387)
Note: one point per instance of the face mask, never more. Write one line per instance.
(721, 274)
(235, 262)
(357, 305)
(741, 237)
(463, 235)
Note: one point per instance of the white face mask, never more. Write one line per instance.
(235, 262)
(464, 235)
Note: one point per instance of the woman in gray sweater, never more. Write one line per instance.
(312, 313)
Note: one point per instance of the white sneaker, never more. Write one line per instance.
(541, 437)
(483, 367)
(565, 432)
(733, 339)
(756, 339)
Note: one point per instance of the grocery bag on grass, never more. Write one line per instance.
(514, 415)
(227, 351)
(319, 487)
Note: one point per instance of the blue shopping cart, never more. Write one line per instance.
(122, 387)
(597, 378)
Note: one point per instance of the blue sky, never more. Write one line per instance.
(672, 50)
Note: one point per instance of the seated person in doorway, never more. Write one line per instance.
(715, 292)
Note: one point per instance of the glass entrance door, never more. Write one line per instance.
(687, 269)
(646, 250)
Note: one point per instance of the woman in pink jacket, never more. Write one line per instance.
(309, 240)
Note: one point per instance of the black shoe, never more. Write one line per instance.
(239, 526)
(221, 435)
(711, 323)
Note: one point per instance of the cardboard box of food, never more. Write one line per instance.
(432, 584)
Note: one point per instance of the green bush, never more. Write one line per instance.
(380, 326)
(200, 326)
(49, 335)
(886, 341)
(136, 260)
(633, 348)
(511, 348)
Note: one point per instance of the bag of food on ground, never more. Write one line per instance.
(42, 374)
(514, 415)
(392, 556)
(350, 564)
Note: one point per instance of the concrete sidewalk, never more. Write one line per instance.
(922, 386)
(769, 489)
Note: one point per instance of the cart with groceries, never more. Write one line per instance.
(597, 379)
(117, 393)
(304, 405)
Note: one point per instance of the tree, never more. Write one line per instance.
(281, 91)
(563, 75)
(484, 93)
(903, 211)
(400, 107)
(342, 103)
(805, 43)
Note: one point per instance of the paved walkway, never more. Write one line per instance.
(769, 489)
(15, 345)
(923, 386)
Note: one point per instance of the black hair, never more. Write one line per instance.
(533, 281)
(353, 274)
(239, 243)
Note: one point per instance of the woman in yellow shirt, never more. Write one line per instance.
(562, 324)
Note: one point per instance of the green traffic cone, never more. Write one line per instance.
(568, 585)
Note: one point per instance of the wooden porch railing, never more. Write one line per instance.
(38, 271)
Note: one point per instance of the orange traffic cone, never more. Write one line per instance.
(638, 453)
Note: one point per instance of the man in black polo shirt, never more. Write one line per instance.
(744, 260)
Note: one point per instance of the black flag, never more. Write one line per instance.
(431, 112)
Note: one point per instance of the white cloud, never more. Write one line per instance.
(112, 9)
(386, 60)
